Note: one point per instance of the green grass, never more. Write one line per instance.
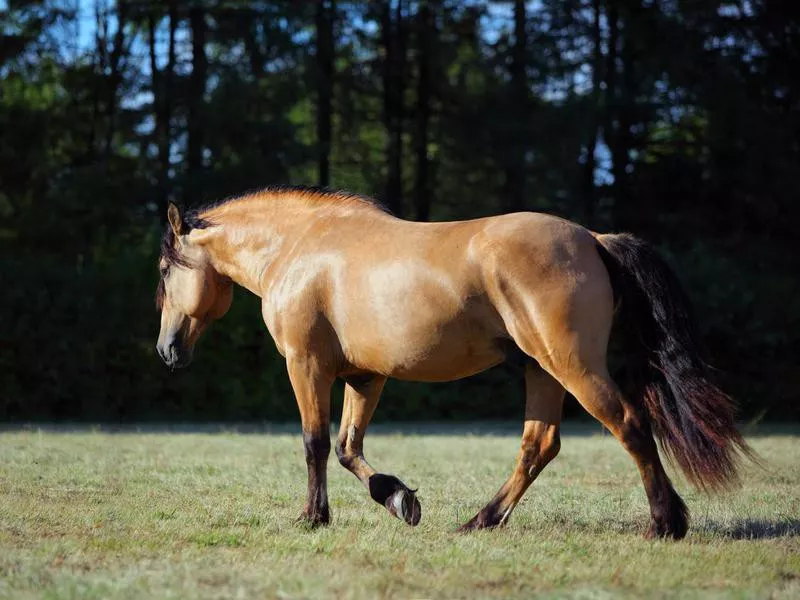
(138, 515)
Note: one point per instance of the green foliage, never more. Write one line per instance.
(696, 150)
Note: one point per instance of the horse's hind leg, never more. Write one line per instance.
(540, 444)
(599, 395)
(576, 356)
(360, 399)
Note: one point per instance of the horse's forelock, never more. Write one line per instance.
(169, 249)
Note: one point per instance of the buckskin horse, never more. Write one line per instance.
(349, 291)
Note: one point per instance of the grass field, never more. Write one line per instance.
(160, 515)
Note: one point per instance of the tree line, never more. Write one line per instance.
(677, 121)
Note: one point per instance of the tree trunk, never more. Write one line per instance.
(326, 13)
(588, 191)
(196, 102)
(162, 102)
(399, 89)
(248, 24)
(115, 76)
(155, 85)
(425, 31)
(515, 191)
(166, 139)
(612, 126)
(626, 106)
(393, 38)
(98, 64)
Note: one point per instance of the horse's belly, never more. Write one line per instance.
(409, 319)
(447, 361)
(427, 347)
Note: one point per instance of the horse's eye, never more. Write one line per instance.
(164, 270)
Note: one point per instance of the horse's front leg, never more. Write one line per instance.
(360, 399)
(312, 389)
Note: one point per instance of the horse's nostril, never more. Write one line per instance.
(173, 352)
(168, 353)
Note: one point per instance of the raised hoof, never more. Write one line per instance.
(398, 499)
(404, 505)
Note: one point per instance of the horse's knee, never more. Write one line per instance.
(348, 448)
(345, 458)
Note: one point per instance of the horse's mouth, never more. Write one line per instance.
(175, 356)
(181, 362)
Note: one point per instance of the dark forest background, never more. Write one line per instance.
(677, 120)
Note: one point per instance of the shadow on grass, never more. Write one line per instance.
(594, 526)
(744, 529)
(752, 529)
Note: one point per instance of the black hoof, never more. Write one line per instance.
(398, 499)
(481, 521)
(669, 520)
(674, 529)
(312, 520)
(488, 518)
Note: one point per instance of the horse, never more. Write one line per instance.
(351, 292)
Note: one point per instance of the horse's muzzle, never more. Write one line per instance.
(174, 354)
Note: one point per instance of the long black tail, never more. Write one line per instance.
(691, 417)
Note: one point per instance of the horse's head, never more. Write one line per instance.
(191, 293)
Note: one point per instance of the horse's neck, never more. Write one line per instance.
(244, 248)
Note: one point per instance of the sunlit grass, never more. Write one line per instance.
(184, 515)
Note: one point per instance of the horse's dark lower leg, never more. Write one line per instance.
(360, 399)
(601, 397)
(669, 516)
(317, 448)
(540, 445)
(312, 390)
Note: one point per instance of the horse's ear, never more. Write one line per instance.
(175, 219)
